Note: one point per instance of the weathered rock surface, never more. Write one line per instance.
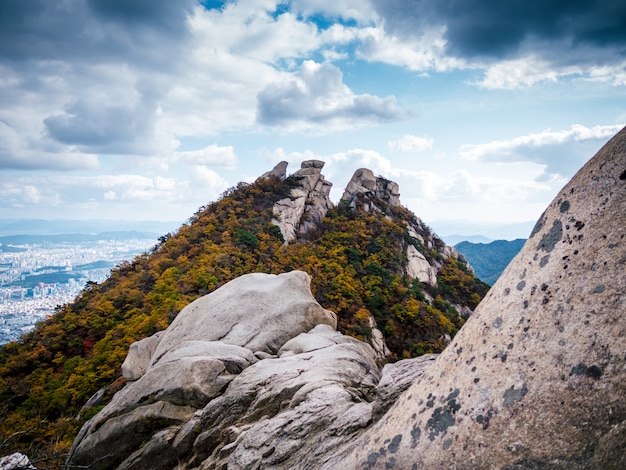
(16, 461)
(253, 375)
(364, 182)
(307, 204)
(537, 376)
(279, 171)
(419, 268)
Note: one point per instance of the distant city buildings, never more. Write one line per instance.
(36, 279)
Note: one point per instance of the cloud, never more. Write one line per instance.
(16, 152)
(93, 30)
(552, 39)
(420, 51)
(210, 155)
(490, 28)
(342, 9)
(20, 193)
(108, 129)
(204, 178)
(561, 152)
(410, 143)
(317, 95)
(106, 195)
(86, 77)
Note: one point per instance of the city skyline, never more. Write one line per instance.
(136, 110)
(25, 301)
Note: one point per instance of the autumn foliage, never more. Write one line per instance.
(356, 259)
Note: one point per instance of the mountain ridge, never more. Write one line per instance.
(389, 279)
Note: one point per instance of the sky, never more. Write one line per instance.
(481, 110)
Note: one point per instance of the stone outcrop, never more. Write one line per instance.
(419, 268)
(537, 376)
(422, 264)
(253, 375)
(279, 171)
(16, 461)
(363, 182)
(368, 192)
(307, 203)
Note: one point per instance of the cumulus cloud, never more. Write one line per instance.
(342, 9)
(16, 152)
(213, 155)
(205, 178)
(498, 29)
(93, 30)
(411, 143)
(561, 152)
(316, 95)
(419, 52)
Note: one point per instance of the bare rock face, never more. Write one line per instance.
(537, 376)
(253, 375)
(364, 182)
(279, 171)
(16, 461)
(307, 204)
(419, 268)
(422, 265)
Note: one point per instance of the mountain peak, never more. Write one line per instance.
(369, 188)
(307, 203)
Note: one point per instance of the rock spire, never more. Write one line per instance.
(363, 182)
(307, 203)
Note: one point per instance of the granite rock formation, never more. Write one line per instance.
(375, 187)
(16, 461)
(307, 203)
(279, 171)
(253, 375)
(537, 376)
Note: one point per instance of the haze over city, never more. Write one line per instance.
(146, 110)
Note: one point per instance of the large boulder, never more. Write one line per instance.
(537, 377)
(253, 375)
(178, 371)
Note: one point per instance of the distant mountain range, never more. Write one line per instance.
(63, 226)
(456, 231)
(490, 259)
(74, 238)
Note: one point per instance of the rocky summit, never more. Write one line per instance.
(308, 201)
(537, 376)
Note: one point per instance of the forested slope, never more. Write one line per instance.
(357, 261)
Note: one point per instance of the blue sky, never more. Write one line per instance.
(481, 110)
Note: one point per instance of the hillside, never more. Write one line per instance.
(490, 259)
(373, 263)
